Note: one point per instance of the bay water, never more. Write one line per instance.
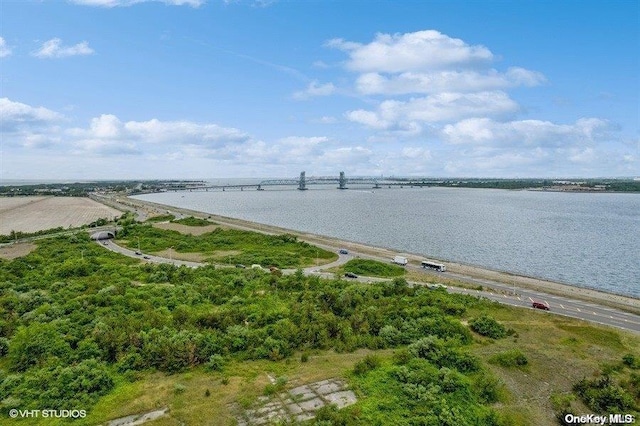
(583, 239)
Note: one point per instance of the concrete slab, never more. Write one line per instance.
(312, 404)
(341, 399)
(328, 388)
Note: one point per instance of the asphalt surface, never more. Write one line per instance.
(492, 290)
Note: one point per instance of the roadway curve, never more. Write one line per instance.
(492, 290)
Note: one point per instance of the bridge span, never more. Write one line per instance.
(303, 182)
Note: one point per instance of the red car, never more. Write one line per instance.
(540, 305)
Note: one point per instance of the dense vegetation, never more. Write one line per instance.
(282, 251)
(193, 221)
(78, 323)
(76, 326)
(373, 268)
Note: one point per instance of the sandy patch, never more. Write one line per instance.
(185, 229)
(14, 251)
(31, 214)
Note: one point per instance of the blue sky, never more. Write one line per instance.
(142, 89)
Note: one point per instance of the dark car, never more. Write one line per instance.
(344, 251)
(240, 265)
(540, 305)
(146, 257)
(350, 275)
(138, 253)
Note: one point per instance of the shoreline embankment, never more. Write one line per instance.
(623, 302)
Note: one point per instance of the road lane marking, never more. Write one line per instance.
(562, 306)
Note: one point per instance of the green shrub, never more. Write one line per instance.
(192, 221)
(487, 326)
(604, 395)
(368, 363)
(511, 358)
(216, 362)
(373, 268)
(631, 361)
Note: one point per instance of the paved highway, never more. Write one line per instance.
(496, 291)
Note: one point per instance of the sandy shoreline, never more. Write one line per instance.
(626, 303)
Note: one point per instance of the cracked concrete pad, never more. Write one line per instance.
(341, 399)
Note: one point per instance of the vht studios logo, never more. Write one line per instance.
(593, 419)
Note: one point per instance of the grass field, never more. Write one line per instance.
(31, 214)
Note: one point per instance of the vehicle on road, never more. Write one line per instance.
(240, 265)
(433, 265)
(400, 260)
(138, 253)
(146, 257)
(343, 251)
(350, 275)
(540, 305)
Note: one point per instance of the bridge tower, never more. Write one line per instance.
(342, 181)
(302, 184)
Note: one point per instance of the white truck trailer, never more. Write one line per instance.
(400, 260)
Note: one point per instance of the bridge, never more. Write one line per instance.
(303, 182)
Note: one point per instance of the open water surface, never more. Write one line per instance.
(587, 240)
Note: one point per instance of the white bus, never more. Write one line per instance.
(432, 265)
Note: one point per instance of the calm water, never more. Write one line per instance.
(589, 240)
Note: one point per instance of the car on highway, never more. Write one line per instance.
(540, 305)
(350, 275)
(146, 257)
(343, 251)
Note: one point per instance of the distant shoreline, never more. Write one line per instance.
(625, 302)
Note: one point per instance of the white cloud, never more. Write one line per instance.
(315, 89)
(108, 135)
(418, 51)
(54, 49)
(441, 107)
(15, 115)
(115, 3)
(445, 81)
(484, 131)
(4, 49)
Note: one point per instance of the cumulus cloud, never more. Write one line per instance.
(109, 135)
(445, 81)
(442, 107)
(116, 3)
(418, 51)
(485, 131)
(4, 49)
(16, 115)
(54, 49)
(315, 89)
